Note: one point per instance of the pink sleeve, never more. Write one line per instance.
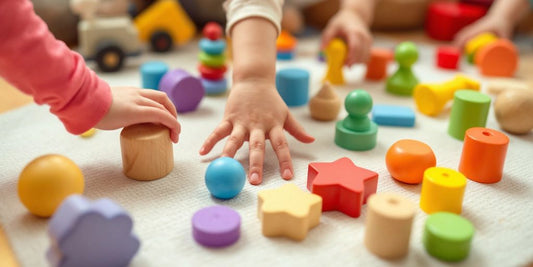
(36, 63)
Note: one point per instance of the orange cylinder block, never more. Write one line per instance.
(483, 155)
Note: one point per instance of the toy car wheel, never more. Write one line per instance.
(110, 58)
(161, 41)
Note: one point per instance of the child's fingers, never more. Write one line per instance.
(281, 147)
(328, 35)
(234, 142)
(257, 155)
(161, 98)
(222, 130)
(353, 43)
(295, 129)
(463, 36)
(156, 115)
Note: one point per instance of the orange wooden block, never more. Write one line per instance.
(376, 67)
(285, 41)
(483, 155)
(499, 58)
(408, 159)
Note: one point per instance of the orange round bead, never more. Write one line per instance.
(408, 159)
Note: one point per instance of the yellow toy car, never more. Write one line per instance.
(164, 24)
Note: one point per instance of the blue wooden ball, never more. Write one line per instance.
(225, 178)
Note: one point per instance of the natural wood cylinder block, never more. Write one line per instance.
(388, 225)
(146, 151)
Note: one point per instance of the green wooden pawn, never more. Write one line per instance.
(403, 81)
(357, 131)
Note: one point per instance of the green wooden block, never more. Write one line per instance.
(214, 61)
(447, 236)
(357, 131)
(470, 109)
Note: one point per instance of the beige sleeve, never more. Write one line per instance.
(237, 10)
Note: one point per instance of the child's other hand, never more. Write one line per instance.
(348, 25)
(255, 112)
(490, 23)
(133, 105)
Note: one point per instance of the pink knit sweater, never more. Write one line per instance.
(36, 63)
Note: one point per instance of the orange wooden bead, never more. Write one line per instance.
(408, 159)
(483, 155)
(285, 41)
(498, 59)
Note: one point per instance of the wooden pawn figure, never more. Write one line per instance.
(335, 56)
(146, 151)
(388, 225)
(326, 104)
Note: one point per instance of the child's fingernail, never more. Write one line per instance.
(202, 150)
(287, 174)
(254, 178)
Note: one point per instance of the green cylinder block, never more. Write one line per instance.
(469, 109)
(447, 236)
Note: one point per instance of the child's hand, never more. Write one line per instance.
(255, 112)
(490, 23)
(133, 105)
(348, 25)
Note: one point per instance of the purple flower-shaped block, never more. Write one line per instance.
(85, 233)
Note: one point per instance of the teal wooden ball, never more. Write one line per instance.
(225, 178)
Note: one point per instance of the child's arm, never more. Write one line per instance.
(500, 20)
(352, 23)
(254, 109)
(36, 63)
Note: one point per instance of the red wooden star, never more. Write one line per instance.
(342, 185)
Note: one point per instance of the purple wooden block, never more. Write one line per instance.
(216, 226)
(183, 89)
(91, 234)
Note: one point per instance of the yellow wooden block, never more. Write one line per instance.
(335, 56)
(442, 190)
(430, 98)
(479, 41)
(88, 133)
(7, 257)
(168, 16)
(288, 211)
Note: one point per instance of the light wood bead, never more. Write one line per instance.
(146, 151)
(514, 111)
(388, 225)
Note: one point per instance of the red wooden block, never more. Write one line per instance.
(211, 73)
(212, 31)
(448, 57)
(445, 19)
(342, 185)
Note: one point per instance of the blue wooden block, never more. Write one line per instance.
(282, 55)
(212, 47)
(293, 86)
(393, 115)
(213, 87)
(151, 74)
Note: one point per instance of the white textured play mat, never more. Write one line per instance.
(502, 213)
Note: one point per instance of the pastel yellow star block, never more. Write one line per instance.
(288, 211)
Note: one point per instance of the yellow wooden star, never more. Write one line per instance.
(288, 211)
